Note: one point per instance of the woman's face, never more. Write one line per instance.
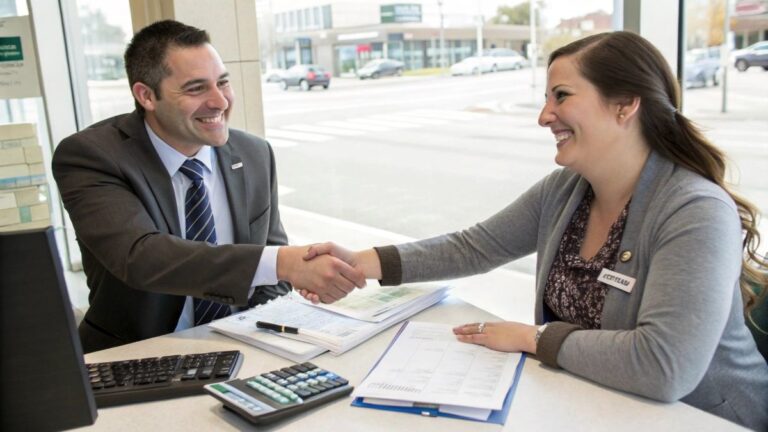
(585, 126)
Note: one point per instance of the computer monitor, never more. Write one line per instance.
(44, 381)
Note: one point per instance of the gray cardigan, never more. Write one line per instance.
(679, 334)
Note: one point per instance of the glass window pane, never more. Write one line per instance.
(105, 29)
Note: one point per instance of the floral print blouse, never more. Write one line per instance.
(572, 292)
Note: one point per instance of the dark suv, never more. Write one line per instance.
(305, 77)
(753, 55)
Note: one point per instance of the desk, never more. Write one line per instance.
(546, 399)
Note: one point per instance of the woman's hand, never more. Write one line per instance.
(508, 336)
(366, 261)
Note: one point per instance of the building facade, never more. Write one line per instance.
(342, 36)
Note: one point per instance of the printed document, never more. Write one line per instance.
(375, 303)
(426, 364)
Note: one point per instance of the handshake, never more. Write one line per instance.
(326, 272)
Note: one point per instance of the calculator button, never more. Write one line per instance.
(341, 380)
(281, 374)
(303, 393)
(316, 388)
(289, 371)
(270, 376)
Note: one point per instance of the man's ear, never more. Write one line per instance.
(144, 95)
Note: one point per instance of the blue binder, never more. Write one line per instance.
(497, 416)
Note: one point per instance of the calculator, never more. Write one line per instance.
(281, 393)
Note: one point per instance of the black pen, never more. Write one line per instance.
(279, 328)
(276, 327)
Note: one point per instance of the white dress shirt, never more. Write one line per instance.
(266, 269)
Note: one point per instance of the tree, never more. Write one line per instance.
(515, 15)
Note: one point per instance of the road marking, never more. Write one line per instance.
(382, 123)
(347, 125)
(300, 136)
(323, 130)
(281, 143)
(422, 121)
(284, 190)
(447, 114)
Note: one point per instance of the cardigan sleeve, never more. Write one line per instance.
(508, 235)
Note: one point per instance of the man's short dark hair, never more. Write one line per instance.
(146, 53)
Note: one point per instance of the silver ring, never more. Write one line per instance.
(481, 328)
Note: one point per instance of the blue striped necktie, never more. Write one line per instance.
(200, 227)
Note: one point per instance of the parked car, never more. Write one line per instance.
(305, 77)
(471, 66)
(274, 75)
(505, 59)
(381, 67)
(753, 55)
(702, 67)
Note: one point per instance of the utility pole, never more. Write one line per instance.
(479, 31)
(725, 51)
(532, 49)
(442, 38)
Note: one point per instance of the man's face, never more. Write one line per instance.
(194, 101)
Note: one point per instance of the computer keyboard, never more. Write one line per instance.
(148, 379)
(280, 393)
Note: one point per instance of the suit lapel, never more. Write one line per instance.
(232, 171)
(158, 180)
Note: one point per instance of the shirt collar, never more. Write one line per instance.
(172, 159)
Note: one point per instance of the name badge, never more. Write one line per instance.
(616, 280)
(237, 165)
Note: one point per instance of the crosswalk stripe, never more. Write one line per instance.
(447, 114)
(411, 119)
(282, 143)
(299, 136)
(323, 130)
(347, 125)
(382, 123)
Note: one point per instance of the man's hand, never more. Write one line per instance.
(328, 278)
(366, 261)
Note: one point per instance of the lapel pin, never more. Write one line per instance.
(237, 165)
(625, 256)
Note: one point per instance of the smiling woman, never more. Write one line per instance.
(619, 300)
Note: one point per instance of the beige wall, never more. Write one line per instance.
(233, 29)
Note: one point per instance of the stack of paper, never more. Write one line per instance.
(376, 303)
(427, 371)
(325, 327)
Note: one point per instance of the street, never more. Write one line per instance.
(421, 156)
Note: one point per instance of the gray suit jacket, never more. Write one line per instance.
(138, 265)
(679, 334)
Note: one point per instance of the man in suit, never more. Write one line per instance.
(175, 213)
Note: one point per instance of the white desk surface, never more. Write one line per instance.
(546, 399)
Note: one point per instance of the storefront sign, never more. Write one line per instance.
(18, 68)
(400, 13)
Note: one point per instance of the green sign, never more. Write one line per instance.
(10, 49)
(400, 13)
